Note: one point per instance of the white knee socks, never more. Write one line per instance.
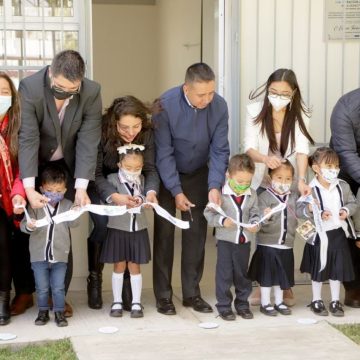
(335, 290)
(316, 290)
(278, 294)
(265, 295)
(136, 286)
(117, 285)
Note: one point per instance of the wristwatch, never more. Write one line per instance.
(302, 178)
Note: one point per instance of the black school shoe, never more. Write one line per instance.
(282, 309)
(60, 319)
(227, 315)
(318, 308)
(136, 313)
(245, 313)
(268, 310)
(336, 309)
(116, 312)
(42, 318)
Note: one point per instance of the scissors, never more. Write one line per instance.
(191, 218)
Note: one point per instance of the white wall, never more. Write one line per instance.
(290, 33)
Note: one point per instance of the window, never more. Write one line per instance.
(33, 31)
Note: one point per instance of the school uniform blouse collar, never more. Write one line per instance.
(315, 182)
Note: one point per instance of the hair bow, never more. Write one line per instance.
(125, 148)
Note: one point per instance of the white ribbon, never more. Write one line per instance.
(219, 210)
(38, 223)
(319, 229)
(108, 210)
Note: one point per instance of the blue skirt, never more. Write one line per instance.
(126, 246)
(272, 266)
(339, 263)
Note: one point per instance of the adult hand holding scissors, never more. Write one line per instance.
(183, 203)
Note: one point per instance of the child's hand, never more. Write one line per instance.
(138, 200)
(31, 225)
(228, 223)
(310, 208)
(267, 211)
(343, 214)
(326, 215)
(253, 229)
(357, 243)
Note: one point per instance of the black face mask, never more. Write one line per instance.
(60, 94)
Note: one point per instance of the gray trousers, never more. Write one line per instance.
(231, 269)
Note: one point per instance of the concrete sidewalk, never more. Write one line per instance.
(180, 337)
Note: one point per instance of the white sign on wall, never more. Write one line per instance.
(342, 19)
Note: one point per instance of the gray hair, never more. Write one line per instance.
(69, 64)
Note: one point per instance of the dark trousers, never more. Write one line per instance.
(231, 269)
(5, 240)
(354, 250)
(195, 188)
(97, 235)
(22, 273)
(14, 258)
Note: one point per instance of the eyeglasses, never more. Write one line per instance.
(281, 96)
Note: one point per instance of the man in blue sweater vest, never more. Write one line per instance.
(192, 151)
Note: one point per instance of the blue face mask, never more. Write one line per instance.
(54, 197)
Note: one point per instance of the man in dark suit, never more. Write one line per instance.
(60, 121)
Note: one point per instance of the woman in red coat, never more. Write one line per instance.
(11, 189)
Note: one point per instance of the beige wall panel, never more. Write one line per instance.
(125, 50)
(179, 39)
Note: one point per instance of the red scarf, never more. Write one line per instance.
(6, 171)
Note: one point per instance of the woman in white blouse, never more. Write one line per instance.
(276, 128)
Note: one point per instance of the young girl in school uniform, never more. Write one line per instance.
(127, 239)
(337, 204)
(272, 264)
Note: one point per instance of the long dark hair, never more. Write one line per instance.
(293, 112)
(12, 130)
(126, 105)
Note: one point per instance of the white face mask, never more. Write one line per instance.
(278, 103)
(329, 175)
(5, 104)
(131, 176)
(280, 188)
